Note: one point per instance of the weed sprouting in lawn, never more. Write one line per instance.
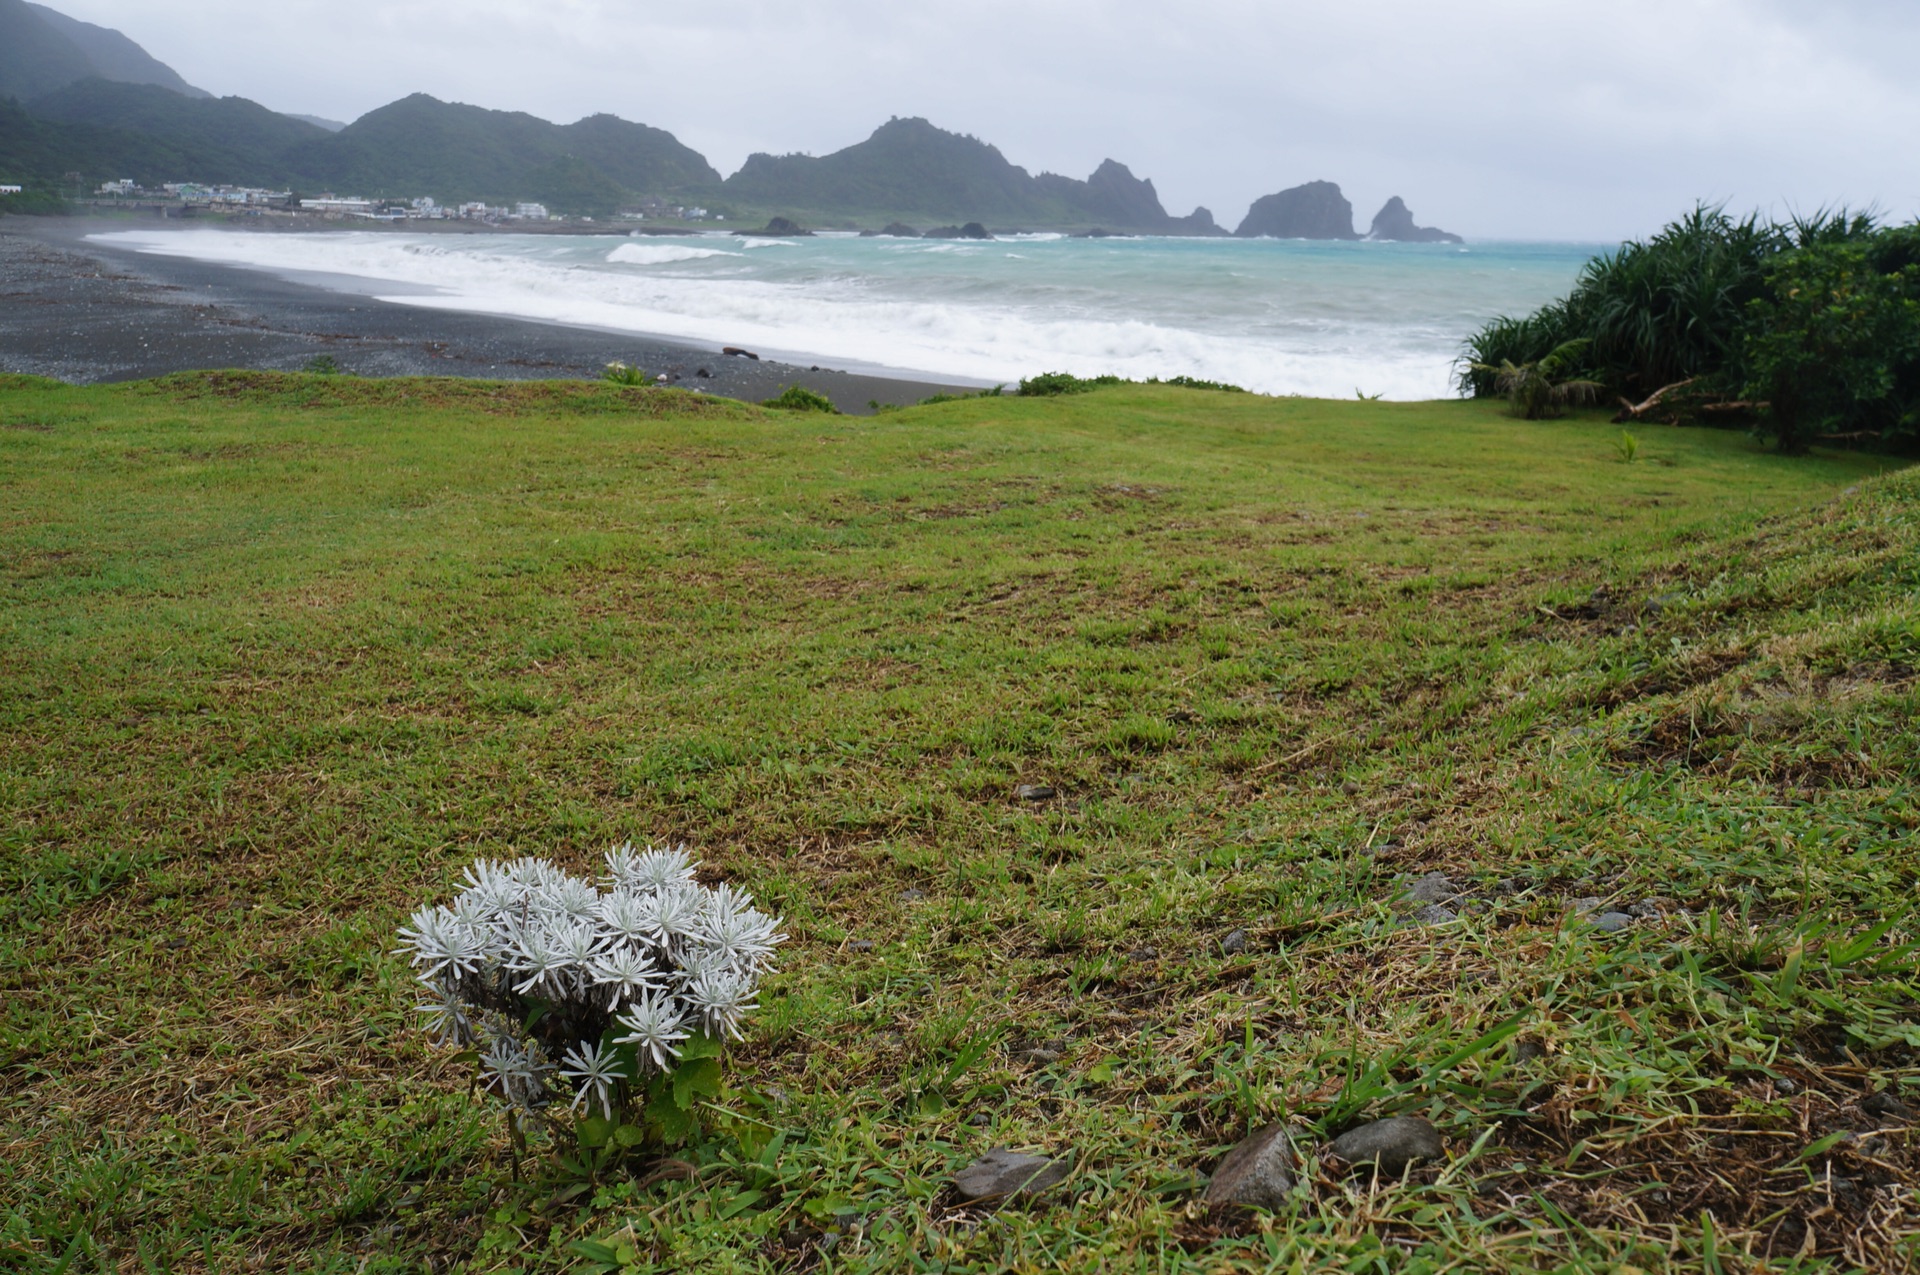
(618, 373)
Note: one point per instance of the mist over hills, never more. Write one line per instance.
(42, 49)
(87, 100)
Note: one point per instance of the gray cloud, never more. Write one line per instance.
(1575, 119)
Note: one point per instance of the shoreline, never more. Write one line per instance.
(87, 312)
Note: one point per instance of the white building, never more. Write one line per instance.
(124, 186)
(11, 190)
(329, 204)
(530, 212)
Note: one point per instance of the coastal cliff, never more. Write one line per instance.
(1316, 210)
(1394, 223)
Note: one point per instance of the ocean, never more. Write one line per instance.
(1275, 316)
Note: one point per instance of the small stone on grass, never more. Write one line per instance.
(1391, 1144)
(1001, 1173)
(1886, 1106)
(1435, 887)
(1258, 1173)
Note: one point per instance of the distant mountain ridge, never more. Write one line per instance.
(98, 105)
(910, 168)
(230, 138)
(113, 55)
(42, 50)
(421, 145)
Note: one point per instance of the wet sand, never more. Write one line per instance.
(86, 312)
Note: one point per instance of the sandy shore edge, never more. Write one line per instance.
(85, 312)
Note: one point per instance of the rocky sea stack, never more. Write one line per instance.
(1316, 210)
(1395, 223)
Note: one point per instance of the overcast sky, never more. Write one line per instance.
(1540, 119)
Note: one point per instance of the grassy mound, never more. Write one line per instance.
(281, 656)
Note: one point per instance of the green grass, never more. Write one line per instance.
(280, 655)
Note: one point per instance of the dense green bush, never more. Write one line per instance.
(1804, 329)
(798, 398)
(1048, 384)
(1834, 348)
(35, 203)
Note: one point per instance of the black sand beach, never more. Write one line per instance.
(85, 312)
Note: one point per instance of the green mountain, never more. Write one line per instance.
(35, 58)
(909, 168)
(229, 139)
(423, 146)
(40, 152)
(113, 56)
(42, 50)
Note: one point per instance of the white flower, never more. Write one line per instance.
(491, 886)
(511, 1071)
(535, 955)
(577, 940)
(654, 1024)
(573, 898)
(447, 1013)
(680, 914)
(622, 862)
(626, 971)
(441, 941)
(629, 918)
(535, 873)
(738, 934)
(659, 870)
(722, 997)
(597, 1071)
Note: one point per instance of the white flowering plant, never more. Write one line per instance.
(611, 1001)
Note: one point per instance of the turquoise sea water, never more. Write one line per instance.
(1277, 316)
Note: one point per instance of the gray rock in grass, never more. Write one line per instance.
(1036, 792)
(1886, 1106)
(1612, 922)
(1390, 1145)
(1002, 1174)
(1434, 914)
(1258, 1173)
(1234, 944)
(1590, 903)
(1435, 887)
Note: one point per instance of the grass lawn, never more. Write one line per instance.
(281, 655)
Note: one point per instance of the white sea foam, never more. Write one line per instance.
(634, 254)
(1276, 317)
(767, 243)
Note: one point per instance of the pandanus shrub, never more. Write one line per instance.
(1544, 387)
(609, 1000)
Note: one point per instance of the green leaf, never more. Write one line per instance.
(697, 1046)
(594, 1131)
(596, 1251)
(695, 1080)
(739, 1204)
(1823, 1146)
